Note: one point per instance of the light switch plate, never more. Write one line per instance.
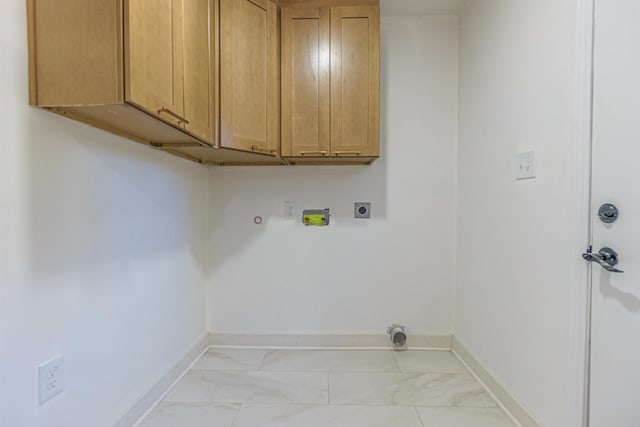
(290, 210)
(526, 165)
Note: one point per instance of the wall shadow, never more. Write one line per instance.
(98, 201)
(627, 300)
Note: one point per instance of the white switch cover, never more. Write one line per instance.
(51, 376)
(290, 210)
(526, 165)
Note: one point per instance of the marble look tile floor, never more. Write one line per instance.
(327, 388)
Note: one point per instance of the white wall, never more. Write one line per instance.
(355, 276)
(102, 257)
(517, 83)
(420, 7)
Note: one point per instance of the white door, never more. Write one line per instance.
(615, 362)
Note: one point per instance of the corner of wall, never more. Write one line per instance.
(455, 178)
(207, 228)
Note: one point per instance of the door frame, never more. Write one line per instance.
(581, 232)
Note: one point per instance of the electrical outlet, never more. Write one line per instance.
(290, 210)
(362, 210)
(51, 376)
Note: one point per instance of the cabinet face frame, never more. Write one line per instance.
(241, 76)
(200, 68)
(355, 90)
(308, 4)
(305, 82)
(350, 101)
(140, 50)
(59, 72)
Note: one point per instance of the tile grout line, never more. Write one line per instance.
(235, 418)
(415, 408)
(493, 396)
(309, 348)
(320, 405)
(320, 371)
(328, 389)
(171, 387)
(395, 357)
(264, 356)
(339, 405)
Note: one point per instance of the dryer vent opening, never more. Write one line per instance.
(398, 337)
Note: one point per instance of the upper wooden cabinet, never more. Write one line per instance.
(305, 83)
(202, 78)
(330, 84)
(250, 77)
(200, 69)
(144, 69)
(154, 57)
(75, 52)
(355, 81)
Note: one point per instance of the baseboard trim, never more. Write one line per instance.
(514, 408)
(147, 402)
(415, 342)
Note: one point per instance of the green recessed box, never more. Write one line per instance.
(316, 217)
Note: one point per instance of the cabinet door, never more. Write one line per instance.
(153, 57)
(199, 68)
(305, 82)
(249, 67)
(355, 81)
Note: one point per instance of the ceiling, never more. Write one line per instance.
(420, 7)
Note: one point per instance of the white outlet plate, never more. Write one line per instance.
(290, 210)
(526, 165)
(362, 210)
(51, 375)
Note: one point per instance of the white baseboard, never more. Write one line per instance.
(514, 408)
(438, 342)
(157, 392)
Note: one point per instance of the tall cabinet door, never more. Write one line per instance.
(153, 57)
(305, 82)
(355, 81)
(250, 74)
(199, 68)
